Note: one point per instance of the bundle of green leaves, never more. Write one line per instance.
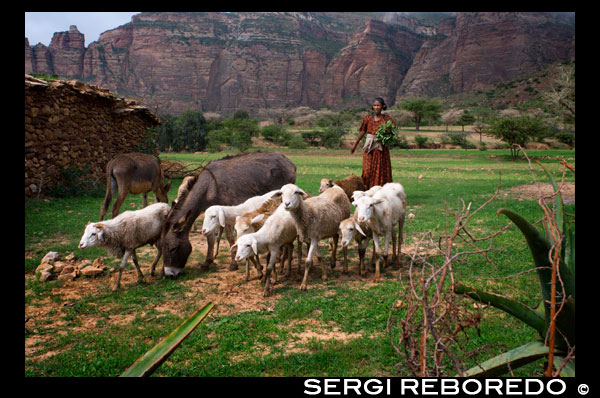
(386, 133)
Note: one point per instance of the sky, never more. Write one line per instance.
(40, 26)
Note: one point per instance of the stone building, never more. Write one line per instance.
(71, 124)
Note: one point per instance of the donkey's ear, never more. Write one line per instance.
(178, 226)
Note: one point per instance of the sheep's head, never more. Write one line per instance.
(214, 217)
(92, 236)
(325, 183)
(246, 246)
(348, 229)
(365, 207)
(291, 195)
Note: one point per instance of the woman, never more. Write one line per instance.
(377, 166)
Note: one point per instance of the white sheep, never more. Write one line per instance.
(253, 221)
(361, 232)
(368, 192)
(217, 218)
(278, 230)
(385, 209)
(316, 218)
(122, 235)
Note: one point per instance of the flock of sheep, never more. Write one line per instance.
(271, 223)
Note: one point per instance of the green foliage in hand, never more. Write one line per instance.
(386, 133)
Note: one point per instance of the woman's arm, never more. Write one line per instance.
(360, 136)
(362, 131)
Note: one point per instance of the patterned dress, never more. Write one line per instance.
(377, 166)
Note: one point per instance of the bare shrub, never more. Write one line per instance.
(428, 325)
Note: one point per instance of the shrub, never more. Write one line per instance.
(296, 142)
(421, 140)
(517, 131)
(458, 138)
(77, 181)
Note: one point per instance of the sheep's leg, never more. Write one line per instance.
(345, 251)
(290, 256)
(394, 253)
(386, 247)
(332, 251)
(210, 238)
(233, 265)
(272, 260)
(378, 251)
(362, 248)
(121, 268)
(334, 243)
(400, 236)
(308, 263)
(158, 254)
(247, 274)
(137, 268)
(299, 251)
(218, 240)
(144, 199)
(256, 261)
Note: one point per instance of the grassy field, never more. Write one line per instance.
(336, 328)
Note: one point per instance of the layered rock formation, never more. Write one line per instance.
(477, 49)
(225, 61)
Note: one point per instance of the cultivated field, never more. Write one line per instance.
(338, 327)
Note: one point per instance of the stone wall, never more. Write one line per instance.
(69, 123)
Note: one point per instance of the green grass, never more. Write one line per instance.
(80, 337)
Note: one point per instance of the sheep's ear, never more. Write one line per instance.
(221, 217)
(257, 218)
(359, 229)
(255, 246)
(277, 194)
(98, 225)
(232, 247)
(330, 181)
(377, 201)
(299, 191)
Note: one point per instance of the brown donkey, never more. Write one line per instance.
(133, 173)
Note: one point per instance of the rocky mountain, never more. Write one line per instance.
(227, 61)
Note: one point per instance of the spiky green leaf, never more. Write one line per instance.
(520, 311)
(568, 370)
(512, 359)
(147, 364)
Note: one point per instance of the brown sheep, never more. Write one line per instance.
(349, 184)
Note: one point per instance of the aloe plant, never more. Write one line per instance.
(151, 360)
(555, 338)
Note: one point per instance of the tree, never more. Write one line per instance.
(191, 131)
(451, 116)
(466, 118)
(421, 107)
(479, 128)
(517, 131)
(561, 95)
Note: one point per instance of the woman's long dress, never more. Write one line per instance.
(377, 166)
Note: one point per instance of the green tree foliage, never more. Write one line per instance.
(422, 108)
(191, 131)
(466, 119)
(517, 131)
